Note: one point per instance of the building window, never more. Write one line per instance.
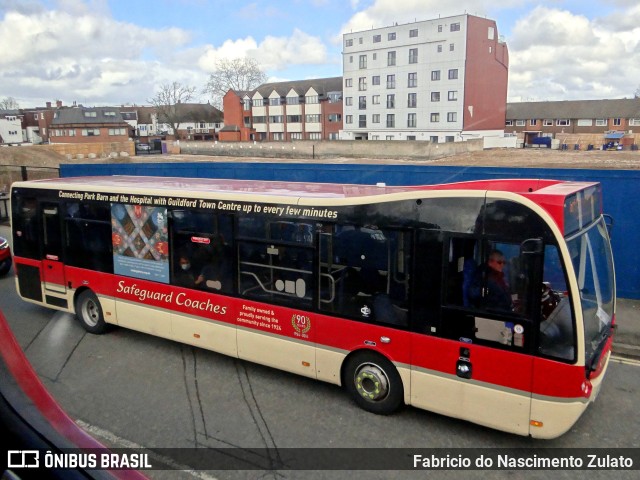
(585, 122)
(391, 36)
(563, 122)
(451, 47)
(362, 121)
(362, 103)
(278, 136)
(332, 136)
(362, 84)
(296, 136)
(391, 59)
(334, 97)
(547, 122)
(375, 118)
(391, 101)
(617, 122)
(452, 117)
(634, 122)
(348, 82)
(315, 136)
(311, 99)
(391, 81)
(293, 100)
(508, 123)
(71, 132)
(89, 114)
(360, 40)
(534, 121)
(348, 101)
(312, 118)
(348, 119)
(363, 61)
(90, 132)
(391, 120)
(454, 27)
(246, 104)
(412, 80)
(276, 119)
(411, 120)
(433, 139)
(375, 80)
(413, 33)
(453, 74)
(439, 48)
(435, 117)
(375, 99)
(377, 38)
(435, 96)
(435, 75)
(601, 122)
(334, 117)
(413, 55)
(449, 139)
(117, 131)
(412, 100)
(274, 102)
(294, 118)
(519, 123)
(349, 43)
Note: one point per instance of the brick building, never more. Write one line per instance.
(284, 111)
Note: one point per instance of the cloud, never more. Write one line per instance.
(273, 53)
(556, 54)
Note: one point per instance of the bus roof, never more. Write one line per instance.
(173, 185)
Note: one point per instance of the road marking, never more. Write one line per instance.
(626, 361)
(120, 442)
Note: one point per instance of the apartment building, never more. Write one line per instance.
(441, 80)
(594, 121)
(284, 111)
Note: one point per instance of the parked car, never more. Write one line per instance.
(5, 256)
(143, 147)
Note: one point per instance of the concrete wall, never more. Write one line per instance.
(619, 187)
(344, 148)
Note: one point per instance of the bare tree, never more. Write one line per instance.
(637, 93)
(167, 102)
(9, 103)
(241, 74)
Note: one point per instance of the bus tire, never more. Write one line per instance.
(5, 267)
(374, 383)
(89, 312)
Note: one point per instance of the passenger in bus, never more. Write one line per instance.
(185, 275)
(215, 275)
(490, 288)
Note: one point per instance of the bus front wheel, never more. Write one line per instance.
(89, 312)
(374, 383)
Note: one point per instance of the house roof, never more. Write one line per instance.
(84, 116)
(575, 109)
(321, 85)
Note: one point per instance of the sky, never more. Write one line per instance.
(114, 52)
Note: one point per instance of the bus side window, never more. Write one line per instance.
(25, 226)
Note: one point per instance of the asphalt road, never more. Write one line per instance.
(134, 390)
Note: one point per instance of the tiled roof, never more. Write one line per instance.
(575, 109)
(321, 85)
(84, 115)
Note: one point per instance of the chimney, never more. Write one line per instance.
(58, 103)
(48, 104)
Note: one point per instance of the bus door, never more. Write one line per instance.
(474, 361)
(52, 254)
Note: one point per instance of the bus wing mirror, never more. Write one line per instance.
(532, 246)
(608, 221)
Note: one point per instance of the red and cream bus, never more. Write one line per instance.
(383, 290)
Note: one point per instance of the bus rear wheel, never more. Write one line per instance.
(89, 312)
(374, 383)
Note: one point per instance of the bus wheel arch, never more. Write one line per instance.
(373, 382)
(89, 311)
